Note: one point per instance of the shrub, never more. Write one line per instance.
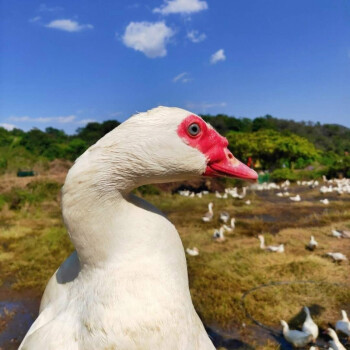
(284, 174)
(147, 189)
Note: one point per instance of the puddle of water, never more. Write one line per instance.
(17, 318)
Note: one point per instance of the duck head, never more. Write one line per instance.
(161, 145)
(196, 133)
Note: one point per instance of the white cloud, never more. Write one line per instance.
(181, 6)
(182, 77)
(68, 25)
(217, 56)
(60, 119)
(35, 19)
(195, 36)
(147, 37)
(7, 126)
(85, 121)
(45, 8)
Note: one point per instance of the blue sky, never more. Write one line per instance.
(64, 63)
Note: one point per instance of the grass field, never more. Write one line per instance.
(33, 243)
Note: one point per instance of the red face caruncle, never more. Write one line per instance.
(220, 161)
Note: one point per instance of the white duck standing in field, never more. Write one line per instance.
(335, 344)
(309, 326)
(208, 216)
(297, 338)
(126, 286)
(192, 251)
(312, 245)
(341, 234)
(224, 216)
(232, 225)
(218, 235)
(337, 234)
(337, 257)
(324, 201)
(270, 248)
(296, 198)
(343, 325)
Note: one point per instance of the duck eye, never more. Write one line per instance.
(194, 129)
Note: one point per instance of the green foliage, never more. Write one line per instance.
(341, 168)
(326, 137)
(272, 149)
(75, 148)
(284, 174)
(147, 190)
(92, 132)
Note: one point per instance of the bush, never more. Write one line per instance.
(147, 189)
(341, 168)
(284, 174)
(3, 165)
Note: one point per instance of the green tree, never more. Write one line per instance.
(271, 149)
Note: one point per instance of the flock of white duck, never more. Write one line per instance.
(338, 186)
(309, 332)
(219, 234)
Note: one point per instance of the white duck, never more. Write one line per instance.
(270, 248)
(337, 234)
(309, 326)
(343, 325)
(224, 216)
(335, 344)
(231, 227)
(337, 257)
(192, 251)
(297, 338)
(217, 194)
(218, 235)
(312, 244)
(126, 286)
(324, 201)
(296, 198)
(341, 234)
(208, 216)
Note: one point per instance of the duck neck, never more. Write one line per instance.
(106, 223)
(345, 316)
(262, 242)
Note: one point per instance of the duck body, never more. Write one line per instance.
(312, 245)
(224, 216)
(309, 326)
(343, 325)
(102, 305)
(208, 216)
(335, 344)
(126, 286)
(297, 338)
(337, 257)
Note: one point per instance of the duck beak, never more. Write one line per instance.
(229, 166)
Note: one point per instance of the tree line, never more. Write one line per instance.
(266, 142)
